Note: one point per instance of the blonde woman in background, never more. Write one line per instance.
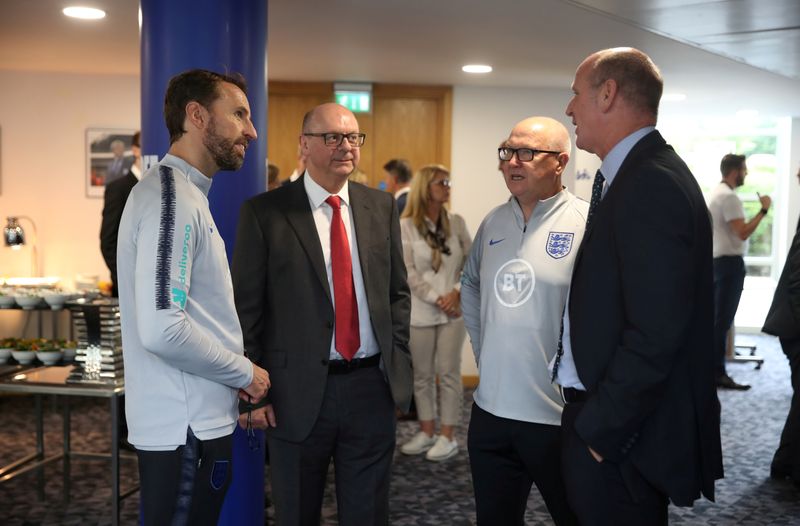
(435, 246)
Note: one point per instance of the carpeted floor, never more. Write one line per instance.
(423, 493)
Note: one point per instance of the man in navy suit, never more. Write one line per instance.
(641, 422)
(783, 321)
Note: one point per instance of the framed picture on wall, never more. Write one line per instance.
(108, 157)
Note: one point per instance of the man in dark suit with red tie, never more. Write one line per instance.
(321, 292)
(641, 422)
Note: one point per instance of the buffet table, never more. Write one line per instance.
(52, 380)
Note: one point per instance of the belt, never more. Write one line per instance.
(345, 367)
(573, 396)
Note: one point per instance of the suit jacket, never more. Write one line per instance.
(641, 314)
(118, 169)
(783, 318)
(115, 197)
(285, 306)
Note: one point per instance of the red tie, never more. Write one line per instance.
(348, 339)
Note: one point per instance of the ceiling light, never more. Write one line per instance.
(674, 97)
(85, 13)
(476, 68)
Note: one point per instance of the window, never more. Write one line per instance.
(702, 142)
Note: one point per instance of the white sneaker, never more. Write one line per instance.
(419, 444)
(443, 449)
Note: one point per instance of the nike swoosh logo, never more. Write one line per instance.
(495, 241)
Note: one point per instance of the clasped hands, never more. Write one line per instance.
(450, 303)
(261, 417)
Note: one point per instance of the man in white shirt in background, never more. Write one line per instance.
(730, 233)
(184, 354)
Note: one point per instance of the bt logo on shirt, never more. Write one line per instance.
(514, 283)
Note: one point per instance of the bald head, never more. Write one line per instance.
(548, 133)
(329, 164)
(638, 79)
(537, 152)
(325, 113)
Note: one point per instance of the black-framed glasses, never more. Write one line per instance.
(443, 182)
(523, 154)
(335, 139)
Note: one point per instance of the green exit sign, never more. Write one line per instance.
(355, 101)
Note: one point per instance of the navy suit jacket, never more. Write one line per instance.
(783, 318)
(114, 199)
(641, 315)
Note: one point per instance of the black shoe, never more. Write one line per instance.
(726, 382)
(779, 473)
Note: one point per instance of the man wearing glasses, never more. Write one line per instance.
(322, 297)
(513, 291)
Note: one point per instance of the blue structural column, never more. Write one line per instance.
(222, 36)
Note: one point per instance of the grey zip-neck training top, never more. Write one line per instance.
(513, 291)
(182, 342)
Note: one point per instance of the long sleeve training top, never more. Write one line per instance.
(182, 342)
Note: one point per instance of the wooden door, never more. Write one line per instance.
(413, 123)
(288, 102)
(409, 122)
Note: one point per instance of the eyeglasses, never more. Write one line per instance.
(523, 154)
(443, 182)
(335, 139)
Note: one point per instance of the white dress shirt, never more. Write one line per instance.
(323, 214)
(567, 372)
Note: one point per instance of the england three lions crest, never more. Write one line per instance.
(559, 244)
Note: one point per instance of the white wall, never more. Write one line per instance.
(43, 122)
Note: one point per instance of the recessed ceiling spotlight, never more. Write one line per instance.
(476, 68)
(674, 97)
(85, 13)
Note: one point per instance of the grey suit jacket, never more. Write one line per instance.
(284, 302)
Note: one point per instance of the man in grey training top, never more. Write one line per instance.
(184, 355)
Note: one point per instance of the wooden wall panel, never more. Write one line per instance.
(287, 104)
(406, 128)
(412, 122)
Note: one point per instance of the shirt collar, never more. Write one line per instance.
(194, 175)
(317, 195)
(541, 208)
(614, 159)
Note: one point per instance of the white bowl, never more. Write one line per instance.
(6, 302)
(49, 357)
(55, 300)
(24, 357)
(28, 302)
(69, 353)
(5, 354)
